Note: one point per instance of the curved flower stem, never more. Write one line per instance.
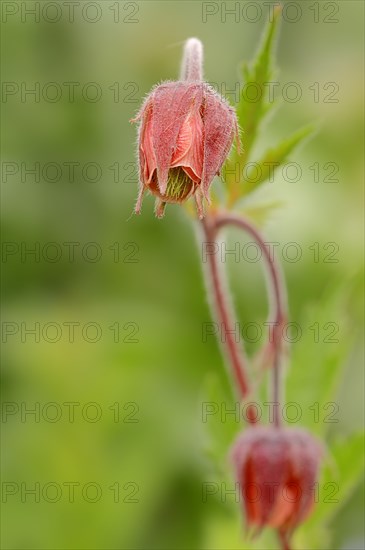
(220, 298)
(192, 63)
(277, 298)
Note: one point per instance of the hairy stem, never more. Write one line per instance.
(277, 298)
(234, 353)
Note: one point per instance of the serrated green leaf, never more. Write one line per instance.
(317, 361)
(265, 168)
(340, 476)
(251, 109)
(348, 456)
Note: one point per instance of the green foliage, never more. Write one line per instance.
(317, 362)
(312, 385)
(341, 474)
(251, 110)
(264, 169)
(318, 357)
(240, 176)
(162, 292)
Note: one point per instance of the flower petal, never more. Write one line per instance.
(147, 157)
(172, 104)
(189, 152)
(220, 127)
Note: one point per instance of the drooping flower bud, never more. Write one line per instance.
(185, 134)
(277, 469)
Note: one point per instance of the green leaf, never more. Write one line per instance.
(253, 105)
(251, 109)
(340, 476)
(348, 457)
(318, 359)
(265, 168)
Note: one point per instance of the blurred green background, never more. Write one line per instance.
(137, 369)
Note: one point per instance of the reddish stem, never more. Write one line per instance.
(278, 305)
(235, 355)
(277, 298)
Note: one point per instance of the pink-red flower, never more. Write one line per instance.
(277, 469)
(185, 134)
